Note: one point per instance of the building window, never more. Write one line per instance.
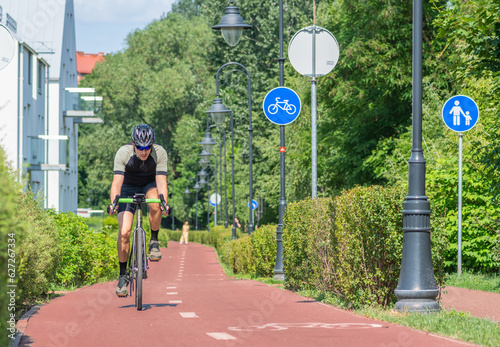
(30, 67)
(11, 23)
(40, 77)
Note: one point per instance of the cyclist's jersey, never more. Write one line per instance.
(136, 171)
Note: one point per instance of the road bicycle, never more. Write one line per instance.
(137, 259)
(284, 105)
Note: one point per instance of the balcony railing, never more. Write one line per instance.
(82, 102)
(37, 155)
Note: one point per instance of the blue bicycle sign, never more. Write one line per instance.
(282, 105)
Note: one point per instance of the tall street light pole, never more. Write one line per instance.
(219, 112)
(225, 168)
(416, 290)
(278, 269)
(187, 192)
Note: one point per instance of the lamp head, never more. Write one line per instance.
(218, 111)
(232, 25)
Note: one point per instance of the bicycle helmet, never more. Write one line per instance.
(143, 135)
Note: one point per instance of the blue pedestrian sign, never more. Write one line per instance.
(282, 105)
(460, 113)
(254, 204)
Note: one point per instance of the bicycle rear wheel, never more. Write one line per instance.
(139, 249)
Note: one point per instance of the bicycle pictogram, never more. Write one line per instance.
(284, 105)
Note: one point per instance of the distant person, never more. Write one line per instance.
(139, 167)
(237, 222)
(185, 233)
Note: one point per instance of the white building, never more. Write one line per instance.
(40, 104)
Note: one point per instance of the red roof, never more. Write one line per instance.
(85, 62)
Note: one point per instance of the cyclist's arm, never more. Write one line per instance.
(161, 185)
(116, 186)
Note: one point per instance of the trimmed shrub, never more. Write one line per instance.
(241, 257)
(10, 230)
(308, 244)
(264, 250)
(368, 230)
(37, 250)
(86, 256)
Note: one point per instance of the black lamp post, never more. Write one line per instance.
(225, 167)
(202, 183)
(416, 290)
(173, 210)
(196, 187)
(232, 25)
(278, 268)
(219, 112)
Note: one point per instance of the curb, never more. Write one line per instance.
(21, 325)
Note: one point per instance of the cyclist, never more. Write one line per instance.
(139, 167)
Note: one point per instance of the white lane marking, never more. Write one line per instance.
(172, 293)
(171, 287)
(175, 301)
(286, 326)
(221, 336)
(188, 315)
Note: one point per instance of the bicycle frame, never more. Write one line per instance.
(138, 261)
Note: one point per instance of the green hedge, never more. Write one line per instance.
(9, 225)
(351, 245)
(86, 256)
(38, 253)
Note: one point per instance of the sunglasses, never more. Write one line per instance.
(145, 148)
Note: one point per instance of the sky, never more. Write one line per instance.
(103, 25)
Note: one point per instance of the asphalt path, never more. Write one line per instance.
(189, 301)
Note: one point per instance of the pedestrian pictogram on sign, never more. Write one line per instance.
(460, 113)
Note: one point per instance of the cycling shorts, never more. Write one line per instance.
(129, 191)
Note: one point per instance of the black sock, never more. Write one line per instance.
(154, 235)
(123, 268)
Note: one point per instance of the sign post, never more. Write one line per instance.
(313, 52)
(460, 114)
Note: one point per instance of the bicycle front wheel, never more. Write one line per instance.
(139, 249)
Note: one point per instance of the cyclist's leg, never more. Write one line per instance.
(125, 220)
(154, 209)
(155, 223)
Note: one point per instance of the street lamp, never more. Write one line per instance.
(232, 25)
(218, 112)
(225, 168)
(196, 187)
(171, 185)
(416, 290)
(208, 142)
(203, 173)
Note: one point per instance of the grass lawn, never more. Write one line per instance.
(487, 283)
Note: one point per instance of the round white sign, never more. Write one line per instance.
(215, 199)
(7, 47)
(300, 51)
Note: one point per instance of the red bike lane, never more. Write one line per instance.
(188, 301)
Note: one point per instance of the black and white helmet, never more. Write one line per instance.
(143, 135)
